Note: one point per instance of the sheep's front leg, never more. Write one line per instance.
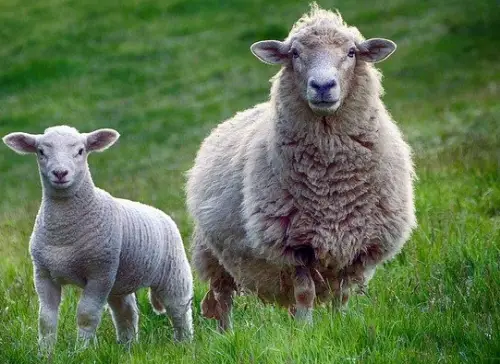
(305, 293)
(90, 309)
(49, 296)
(125, 316)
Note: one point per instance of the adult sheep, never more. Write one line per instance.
(108, 246)
(300, 198)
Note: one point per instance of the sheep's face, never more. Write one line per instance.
(61, 153)
(322, 61)
(321, 72)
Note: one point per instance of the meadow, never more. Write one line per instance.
(164, 73)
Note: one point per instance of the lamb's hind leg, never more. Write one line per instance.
(305, 292)
(218, 301)
(125, 316)
(173, 293)
(178, 308)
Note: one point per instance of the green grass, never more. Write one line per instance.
(164, 73)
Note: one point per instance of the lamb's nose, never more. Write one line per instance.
(60, 174)
(322, 87)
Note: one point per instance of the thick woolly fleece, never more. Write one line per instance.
(278, 186)
(110, 247)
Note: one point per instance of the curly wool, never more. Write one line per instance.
(277, 186)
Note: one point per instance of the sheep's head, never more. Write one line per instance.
(322, 52)
(61, 152)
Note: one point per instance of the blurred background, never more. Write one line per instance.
(164, 73)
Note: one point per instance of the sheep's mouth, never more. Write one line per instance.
(324, 104)
(324, 108)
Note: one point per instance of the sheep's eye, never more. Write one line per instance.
(352, 52)
(40, 152)
(80, 152)
(295, 53)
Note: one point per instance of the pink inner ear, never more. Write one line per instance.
(273, 52)
(100, 140)
(22, 143)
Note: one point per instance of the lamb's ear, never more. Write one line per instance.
(101, 139)
(375, 49)
(22, 143)
(270, 51)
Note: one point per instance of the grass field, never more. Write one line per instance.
(163, 73)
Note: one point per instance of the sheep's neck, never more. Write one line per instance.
(355, 115)
(318, 149)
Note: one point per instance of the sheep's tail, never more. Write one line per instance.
(158, 306)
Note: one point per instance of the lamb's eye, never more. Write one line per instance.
(352, 52)
(41, 153)
(80, 152)
(295, 53)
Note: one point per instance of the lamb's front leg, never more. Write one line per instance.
(305, 293)
(90, 307)
(49, 296)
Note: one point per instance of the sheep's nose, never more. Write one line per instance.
(60, 174)
(322, 87)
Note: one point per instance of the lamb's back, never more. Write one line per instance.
(150, 239)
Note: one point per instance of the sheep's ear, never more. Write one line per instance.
(375, 49)
(270, 51)
(22, 143)
(101, 139)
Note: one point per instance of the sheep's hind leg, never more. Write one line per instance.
(218, 302)
(305, 292)
(125, 316)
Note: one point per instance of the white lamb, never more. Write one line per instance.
(110, 247)
(300, 198)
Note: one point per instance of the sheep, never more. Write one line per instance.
(108, 246)
(300, 198)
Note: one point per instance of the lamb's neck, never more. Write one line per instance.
(60, 209)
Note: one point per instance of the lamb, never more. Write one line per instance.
(108, 246)
(300, 198)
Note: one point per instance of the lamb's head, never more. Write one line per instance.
(321, 54)
(62, 153)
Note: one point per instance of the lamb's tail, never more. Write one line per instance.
(157, 304)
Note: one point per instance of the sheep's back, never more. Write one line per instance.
(214, 186)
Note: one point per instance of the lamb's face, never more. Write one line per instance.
(62, 158)
(62, 153)
(322, 59)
